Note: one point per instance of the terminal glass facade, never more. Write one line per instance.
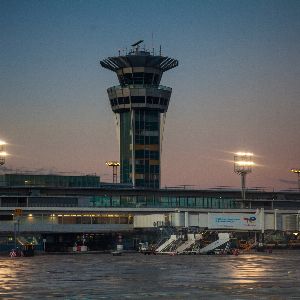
(119, 201)
(49, 180)
(164, 202)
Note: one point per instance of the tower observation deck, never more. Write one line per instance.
(140, 104)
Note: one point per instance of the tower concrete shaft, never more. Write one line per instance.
(139, 101)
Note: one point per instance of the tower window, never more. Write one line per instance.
(156, 79)
(137, 99)
(123, 100)
(148, 78)
(138, 78)
(155, 100)
(163, 101)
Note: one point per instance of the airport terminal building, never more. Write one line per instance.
(61, 209)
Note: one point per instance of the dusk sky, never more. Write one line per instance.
(236, 87)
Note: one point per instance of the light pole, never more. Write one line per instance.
(18, 213)
(242, 166)
(297, 171)
(3, 154)
(114, 165)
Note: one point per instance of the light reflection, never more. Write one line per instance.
(8, 274)
(247, 271)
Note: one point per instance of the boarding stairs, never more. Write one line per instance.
(23, 241)
(172, 248)
(223, 239)
(192, 238)
(167, 243)
(196, 247)
(160, 242)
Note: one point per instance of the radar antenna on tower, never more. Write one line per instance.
(137, 45)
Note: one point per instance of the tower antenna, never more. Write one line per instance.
(137, 45)
(152, 43)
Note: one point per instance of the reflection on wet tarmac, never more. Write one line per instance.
(135, 276)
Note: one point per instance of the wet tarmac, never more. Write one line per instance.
(136, 276)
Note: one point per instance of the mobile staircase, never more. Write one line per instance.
(223, 239)
(189, 244)
(163, 247)
(172, 248)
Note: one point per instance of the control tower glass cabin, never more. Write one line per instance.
(140, 104)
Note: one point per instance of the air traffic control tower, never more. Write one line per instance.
(140, 104)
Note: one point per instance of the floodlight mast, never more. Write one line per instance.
(114, 165)
(3, 154)
(242, 166)
(297, 171)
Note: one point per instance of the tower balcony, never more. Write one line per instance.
(124, 98)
